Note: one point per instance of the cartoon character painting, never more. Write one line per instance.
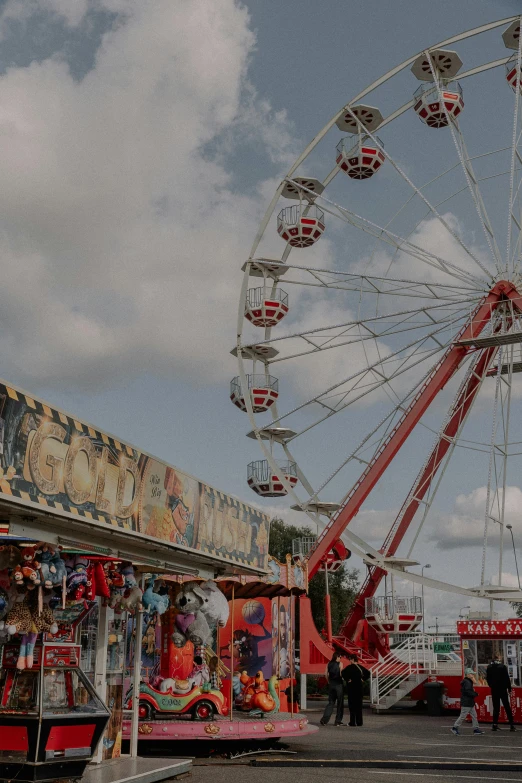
(251, 639)
(171, 499)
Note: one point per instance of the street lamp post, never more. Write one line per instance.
(428, 565)
(510, 528)
(461, 608)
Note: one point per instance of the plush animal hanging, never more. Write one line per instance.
(132, 595)
(28, 619)
(30, 571)
(197, 604)
(90, 587)
(154, 602)
(77, 577)
(59, 574)
(43, 555)
(116, 582)
(131, 599)
(10, 557)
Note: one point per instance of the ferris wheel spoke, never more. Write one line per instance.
(447, 440)
(363, 372)
(404, 316)
(502, 450)
(499, 451)
(420, 194)
(355, 377)
(400, 243)
(379, 384)
(363, 284)
(378, 284)
(449, 322)
(389, 420)
(515, 158)
(467, 168)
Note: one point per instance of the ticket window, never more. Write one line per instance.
(487, 650)
(469, 655)
(478, 654)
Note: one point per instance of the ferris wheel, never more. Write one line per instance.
(380, 315)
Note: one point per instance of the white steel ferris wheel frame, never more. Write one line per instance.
(447, 301)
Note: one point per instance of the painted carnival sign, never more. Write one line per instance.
(48, 458)
(489, 628)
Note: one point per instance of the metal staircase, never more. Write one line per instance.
(347, 646)
(399, 672)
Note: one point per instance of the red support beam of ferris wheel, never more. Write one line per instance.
(444, 371)
(460, 409)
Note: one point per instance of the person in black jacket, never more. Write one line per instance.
(335, 691)
(499, 681)
(354, 676)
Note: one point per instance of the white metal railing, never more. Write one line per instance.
(414, 656)
(388, 606)
(302, 546)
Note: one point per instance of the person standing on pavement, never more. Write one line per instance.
(468, 694)
(499, 682)
(354, 676)
(335, 691)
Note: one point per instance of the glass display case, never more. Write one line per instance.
(51, 718)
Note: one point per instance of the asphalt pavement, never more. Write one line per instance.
(397, 739)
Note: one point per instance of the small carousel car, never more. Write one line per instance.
(201, 702)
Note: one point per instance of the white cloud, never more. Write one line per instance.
(432, 236)
(72, 11)
(121, 234)
(465, 526)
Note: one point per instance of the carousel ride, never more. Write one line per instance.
(380, 318)
(221, 662)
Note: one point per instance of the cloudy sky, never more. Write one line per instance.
(140, 142)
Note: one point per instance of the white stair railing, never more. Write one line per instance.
(414, 658)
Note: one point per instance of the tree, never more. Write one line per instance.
(343, 584)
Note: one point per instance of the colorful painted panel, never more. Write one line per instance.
(49, 459)
(252, 637)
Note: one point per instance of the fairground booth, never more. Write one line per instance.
(91, 530)
(481, 641)
(248, 658)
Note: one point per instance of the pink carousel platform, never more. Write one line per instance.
(282, 724)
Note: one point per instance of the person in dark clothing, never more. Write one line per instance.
(499, 682)
(354, 676)
(335, 692)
